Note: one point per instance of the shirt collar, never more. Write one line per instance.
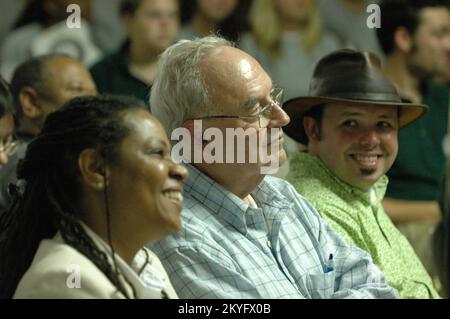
(216, 198)
(227, 205)
(311, 165)
(147, 281)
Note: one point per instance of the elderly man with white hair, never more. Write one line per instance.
(245, 234)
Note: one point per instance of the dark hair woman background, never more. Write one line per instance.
(202, 17)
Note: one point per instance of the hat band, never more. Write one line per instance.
(369, 97)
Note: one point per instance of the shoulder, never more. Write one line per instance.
(248, 43)
(16, 48)
(326, 195)
(307, 176)
(438, 92)
(60, 271)
(205, 234)
(330, 41)
(159, 268)
(301, 205)
(284, 188)
(26, 32)
(106, 62)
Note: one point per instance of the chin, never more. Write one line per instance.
(367, 182)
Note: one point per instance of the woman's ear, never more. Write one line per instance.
(92, 168)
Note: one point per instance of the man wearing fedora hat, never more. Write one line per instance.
(350, 122)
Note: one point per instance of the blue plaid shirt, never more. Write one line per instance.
(281, 249)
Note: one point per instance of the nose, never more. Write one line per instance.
(370, 139)
(178, 171)
(279, 117)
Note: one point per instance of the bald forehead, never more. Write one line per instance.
(229, 60)
(234, 78)
(58, 64)
(53, 67)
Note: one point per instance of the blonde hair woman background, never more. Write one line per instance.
(287, 38)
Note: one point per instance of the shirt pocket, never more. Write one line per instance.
(321, 286)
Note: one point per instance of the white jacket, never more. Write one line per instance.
(59, 271)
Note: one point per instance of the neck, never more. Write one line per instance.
(142, 55)
(143, 63)
(406, 83)
(28, 127)
(126, 243)
(293, 26)
(241, 183)
(203, 25)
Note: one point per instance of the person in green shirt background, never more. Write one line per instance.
(415, 37)
(350, 123)
(151, 26)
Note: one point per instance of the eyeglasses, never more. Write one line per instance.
(8, 147)
(264, 116)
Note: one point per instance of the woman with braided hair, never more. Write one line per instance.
(98, 184)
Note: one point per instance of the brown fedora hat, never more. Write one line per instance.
(352, 77)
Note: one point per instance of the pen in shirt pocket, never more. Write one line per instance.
(329, 267)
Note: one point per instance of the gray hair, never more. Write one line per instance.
(179, 91)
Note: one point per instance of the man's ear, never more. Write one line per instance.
(403, 40)
(29, 103)
(311, 128)
(92, 168)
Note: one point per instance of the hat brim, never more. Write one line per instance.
(297, 107)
